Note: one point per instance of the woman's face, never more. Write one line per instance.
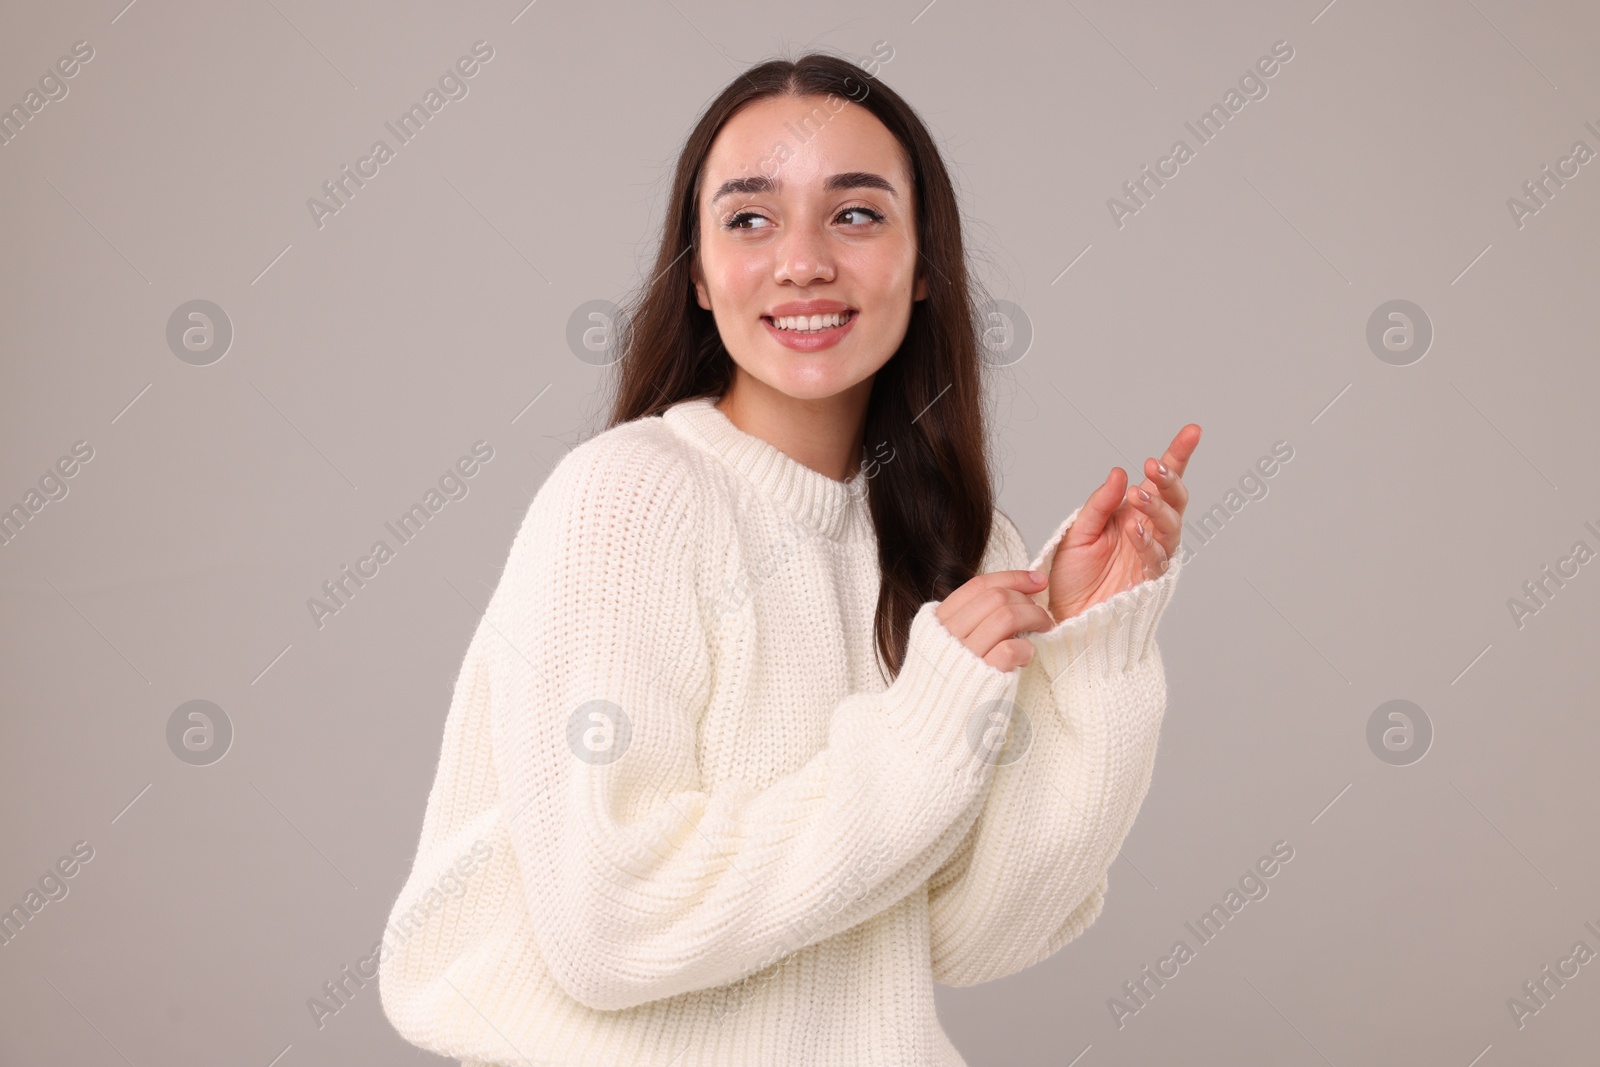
(805, 210)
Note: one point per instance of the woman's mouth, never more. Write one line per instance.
(807, 333)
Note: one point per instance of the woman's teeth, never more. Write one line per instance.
(812, 323)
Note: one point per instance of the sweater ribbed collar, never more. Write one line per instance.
(831, 507)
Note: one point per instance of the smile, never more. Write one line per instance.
(812, 323)
(808, 333)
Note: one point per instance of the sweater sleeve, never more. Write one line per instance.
(641, 882)
(1031, 874)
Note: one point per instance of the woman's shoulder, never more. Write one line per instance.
(620, 509)
(638, 472)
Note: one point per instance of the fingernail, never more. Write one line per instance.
(1162, 467)
(1036, 576)
(1144, 496)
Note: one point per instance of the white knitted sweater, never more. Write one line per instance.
(679, 819)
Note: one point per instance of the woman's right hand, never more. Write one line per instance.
(988, 612)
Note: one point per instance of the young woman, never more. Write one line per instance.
(753, 743)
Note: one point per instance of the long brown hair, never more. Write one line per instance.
(933, 504)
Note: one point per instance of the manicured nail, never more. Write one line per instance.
(1144, 496)
(1162, 467)
(1036, 576)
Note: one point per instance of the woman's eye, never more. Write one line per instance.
(872, 215)
(736, 221)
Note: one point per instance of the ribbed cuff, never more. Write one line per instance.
(1109, 639)
(945, 695)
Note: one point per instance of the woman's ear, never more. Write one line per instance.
(700, 293)
(921, 290)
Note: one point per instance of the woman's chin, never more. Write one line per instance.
(814, 376)
(820, 387)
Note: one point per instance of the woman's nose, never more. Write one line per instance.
(803, 257)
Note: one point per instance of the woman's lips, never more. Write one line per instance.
(810, 341)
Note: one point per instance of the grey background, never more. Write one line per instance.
(369, 354)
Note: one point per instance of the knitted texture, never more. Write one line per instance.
(679, 817)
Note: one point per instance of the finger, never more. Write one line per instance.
(1008, 655)
(996, 614)
(1152, 553)
(958, 603)
(1013, 620)
(1162, 519)
(1183, 445)
(1164, 476)
(1155, 560)
(1169, 485)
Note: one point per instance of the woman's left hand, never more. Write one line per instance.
(1120, 538)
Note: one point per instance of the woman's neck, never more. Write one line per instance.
(824, 433)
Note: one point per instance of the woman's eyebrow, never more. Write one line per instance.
(760, 183)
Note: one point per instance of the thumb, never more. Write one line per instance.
(1101, 505)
